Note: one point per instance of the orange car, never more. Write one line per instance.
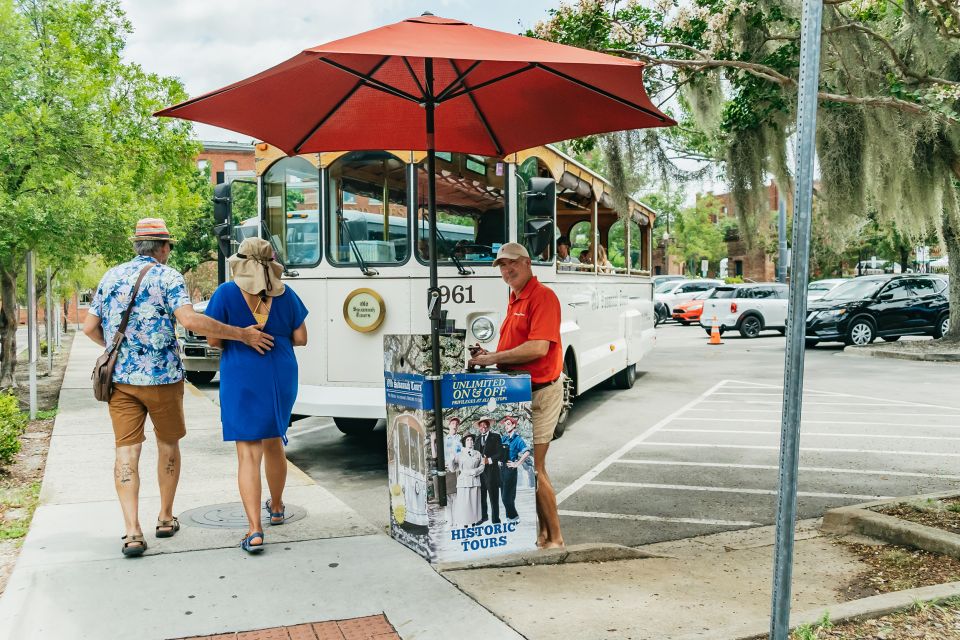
(689, 312)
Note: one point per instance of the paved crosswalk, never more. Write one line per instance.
(713, 464)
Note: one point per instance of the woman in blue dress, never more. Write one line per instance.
(257, 391)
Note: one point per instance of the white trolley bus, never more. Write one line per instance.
(351, 228)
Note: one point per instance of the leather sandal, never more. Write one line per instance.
(170, 527)
(276, 517)
(133, 545)
(247, 543)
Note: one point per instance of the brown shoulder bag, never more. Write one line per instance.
(102, 375)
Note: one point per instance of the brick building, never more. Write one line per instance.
(751, 264)
(226, 160)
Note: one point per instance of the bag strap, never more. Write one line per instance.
(120, 335)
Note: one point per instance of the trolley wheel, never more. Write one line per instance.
(625, 378)
(569, 392)
(355, 426)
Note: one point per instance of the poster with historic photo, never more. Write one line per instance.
(488, 455)
(490, 483)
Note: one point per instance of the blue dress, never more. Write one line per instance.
(257, 391)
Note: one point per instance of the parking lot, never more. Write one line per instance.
(693, 447)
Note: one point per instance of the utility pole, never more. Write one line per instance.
(797, 310)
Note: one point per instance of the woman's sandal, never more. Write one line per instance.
(169, 527)
(133, 545)
(276, 517)
(247, 543)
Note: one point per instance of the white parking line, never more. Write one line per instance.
(579, 483)
(764, 492)
(804, 421)
(807, 402)
(884, 401)
(631, 516)
(771, 467)
(777, 448)
(828, 435)
(846, 413)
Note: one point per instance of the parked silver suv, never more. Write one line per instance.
(201, 362)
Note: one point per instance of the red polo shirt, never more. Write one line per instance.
(534, 315)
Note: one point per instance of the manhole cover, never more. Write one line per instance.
(230, 515)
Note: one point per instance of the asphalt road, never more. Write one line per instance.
(693, 447)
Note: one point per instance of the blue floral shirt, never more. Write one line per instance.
(149, 355)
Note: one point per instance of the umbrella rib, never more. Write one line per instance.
(413, 75)
(606, 94)
(459, 80)
(457, 94)
(371, 82)
(476, 107)
(337, 106)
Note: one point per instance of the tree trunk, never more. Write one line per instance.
(9, 320)
(951, 238)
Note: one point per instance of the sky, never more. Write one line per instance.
(212, 43)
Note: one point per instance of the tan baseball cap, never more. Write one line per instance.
(511, 251)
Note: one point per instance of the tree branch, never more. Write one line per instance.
(768, 73)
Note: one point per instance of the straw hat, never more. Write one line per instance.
(151, 229)
(254, 269)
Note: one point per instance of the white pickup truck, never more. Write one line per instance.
(748, 308)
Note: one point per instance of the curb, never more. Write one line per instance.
(590, 552)
(879, 352)
(867, 608)
(859, 518)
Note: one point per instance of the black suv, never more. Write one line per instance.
(889, 306)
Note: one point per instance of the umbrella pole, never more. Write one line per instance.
(433, 293)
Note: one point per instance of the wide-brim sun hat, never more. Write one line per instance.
(254, 270)
(511, 251)
(151, 229)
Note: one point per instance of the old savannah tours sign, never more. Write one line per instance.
(364, 310)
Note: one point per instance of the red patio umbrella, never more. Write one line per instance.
(431, 83)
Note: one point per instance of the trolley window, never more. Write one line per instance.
(471, 209)
(368, 219)
(291, 210)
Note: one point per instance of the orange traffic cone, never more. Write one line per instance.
(714, 332)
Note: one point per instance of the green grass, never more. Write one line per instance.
(812, 631)
(49, 414)
(20, 498)
(955, 507)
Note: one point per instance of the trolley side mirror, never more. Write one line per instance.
(221, 203)
(541, 197)
(538, 235)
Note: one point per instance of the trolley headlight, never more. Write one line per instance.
(482, 329)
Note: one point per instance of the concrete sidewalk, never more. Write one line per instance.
(72, 582)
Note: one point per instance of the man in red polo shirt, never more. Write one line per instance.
(530, 341)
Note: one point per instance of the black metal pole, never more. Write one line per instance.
(433, 293)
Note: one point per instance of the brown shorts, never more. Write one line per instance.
(545, 406)
(130, 404)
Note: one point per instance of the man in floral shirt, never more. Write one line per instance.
(148, 377)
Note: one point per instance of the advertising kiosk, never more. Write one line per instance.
(489, 485)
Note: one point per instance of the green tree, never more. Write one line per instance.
(696, 236)
(81, 156)
(888, 135)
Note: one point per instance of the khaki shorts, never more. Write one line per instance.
(130, 404)
(545, 406)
